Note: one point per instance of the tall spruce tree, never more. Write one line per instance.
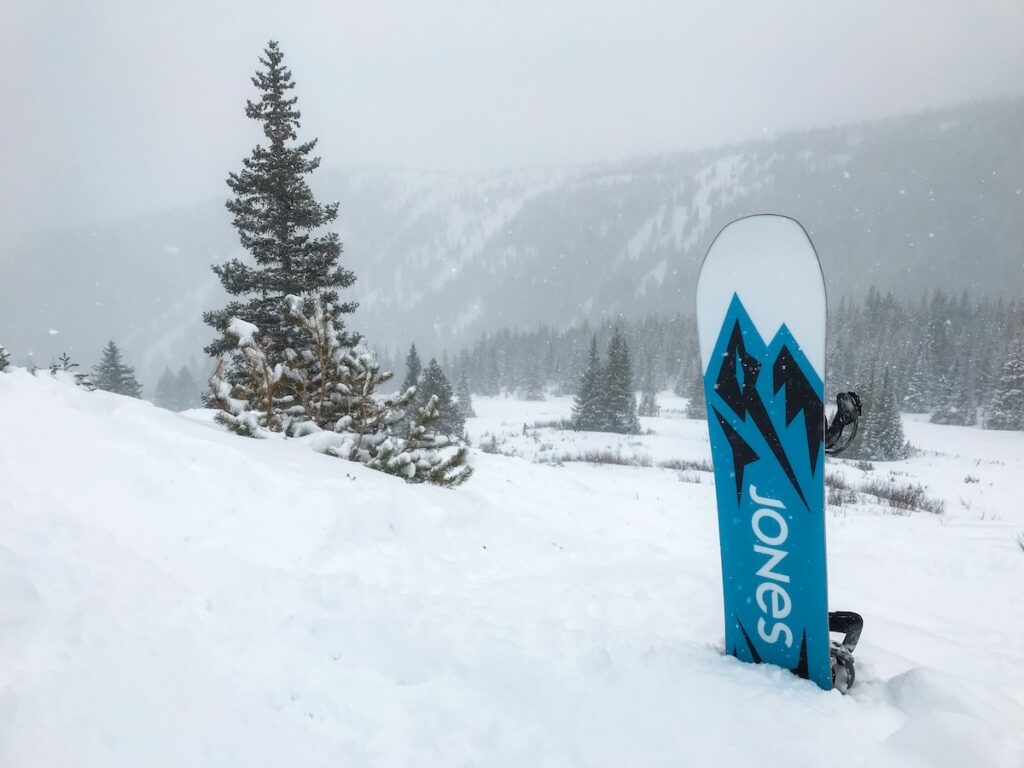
(187, 389)
(619, 397)
(531, 387)
(880, 435)
(278, 222)
(112, 375)
(166, 391)
(696, 404)
(648, 390)
(890, 442)
(587, 406)
(1006, 410)
(464, 397)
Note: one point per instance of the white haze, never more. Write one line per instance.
(118, 108)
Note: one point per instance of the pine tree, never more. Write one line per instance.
(956, 403)
(166, 391)
(619, 398)
(413, 369)
(464, 397)
(434, 384)
(915, 399)
(491, 385)
(648, 390)
(326, 386)
(696, 404)
(1006, 410)
(880, 432)
(276, 217)
(64, 364)
(587, 405)
(890, 442)
(112, 375)
(531, 388)
(5, 358)
(186, 390)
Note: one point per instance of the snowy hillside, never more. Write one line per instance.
(914, 203)
(173, 595)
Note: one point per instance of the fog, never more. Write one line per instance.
(119, 108)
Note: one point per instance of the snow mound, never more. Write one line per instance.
(172, 595)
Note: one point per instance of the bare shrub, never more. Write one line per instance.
(596, 456)
(836, 481)
(553, 424)
(700, 465)
(904, 498)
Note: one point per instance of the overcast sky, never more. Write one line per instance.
(116, 108)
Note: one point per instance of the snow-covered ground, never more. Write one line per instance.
(173, 595)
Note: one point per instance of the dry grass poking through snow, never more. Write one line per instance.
(902, 498)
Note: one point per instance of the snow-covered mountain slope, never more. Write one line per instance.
(175, 595)
(907, 204)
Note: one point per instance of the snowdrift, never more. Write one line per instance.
(173, 595)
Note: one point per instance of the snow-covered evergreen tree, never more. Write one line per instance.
(434, 384)
(956, 403)
(916, 396)
(256, 399)
(279, 223)
(324, 385)
(112, 375)
(618, 396)
(648, 390)
(531, 388)
(696, 404)
(5, 358)
(890, 442)
(463, 396)
(586, 410)
(64, 365)
(413, 369)
(1006, 409)
(880, 434)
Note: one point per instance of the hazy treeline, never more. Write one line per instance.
(943, 354)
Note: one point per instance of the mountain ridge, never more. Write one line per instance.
(924, 201)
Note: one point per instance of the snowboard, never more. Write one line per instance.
(761, 325)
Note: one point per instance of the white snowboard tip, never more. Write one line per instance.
(770, 263)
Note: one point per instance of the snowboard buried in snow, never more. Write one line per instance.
(761, 323)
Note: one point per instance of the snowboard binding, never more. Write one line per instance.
(848, 412)
(841, 653)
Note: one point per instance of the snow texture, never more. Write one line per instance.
(175, 595)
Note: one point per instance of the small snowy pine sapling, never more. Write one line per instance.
(250, 404)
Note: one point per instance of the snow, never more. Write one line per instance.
(242, 330)
(175, 595)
